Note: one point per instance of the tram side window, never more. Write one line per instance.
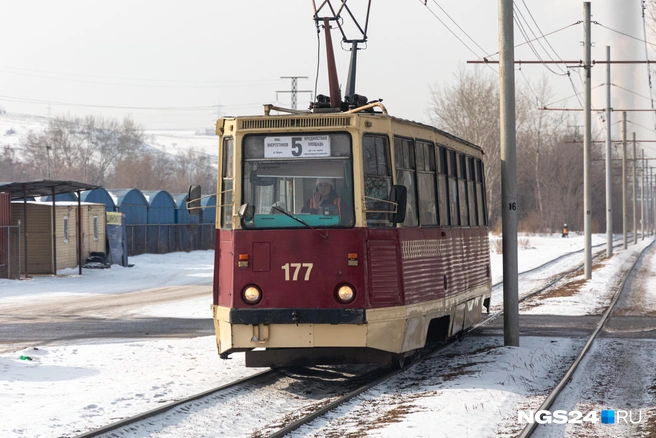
(377, 180)
(442, 191)
(471, 191)
(480, 192)
(425, 157)
(462, 190)
(405, 175)
(453, 189)
(226, 186)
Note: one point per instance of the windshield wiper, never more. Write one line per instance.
(298, 220)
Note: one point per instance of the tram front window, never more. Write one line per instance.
(309, 177)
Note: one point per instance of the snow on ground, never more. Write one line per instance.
(178, 142)
(477, 387)
(14, 127)
(590, 297)
(72, 387)
(534, 250)
(149, 271)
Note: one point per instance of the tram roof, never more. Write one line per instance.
(441, 132)
(360, 114)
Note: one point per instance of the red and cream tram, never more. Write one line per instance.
(345, 235)
(400, 253)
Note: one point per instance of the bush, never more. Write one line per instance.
(498, 246)
(524, 243)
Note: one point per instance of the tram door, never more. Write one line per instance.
(382, 244)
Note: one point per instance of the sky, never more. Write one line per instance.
(180, 65)
(75, 386)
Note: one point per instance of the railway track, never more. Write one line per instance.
(542, 283)
(250, 380)
(558, 259)
(555, 279)
(285, 422)
(552, 281)
(529, 429)
(303, 386)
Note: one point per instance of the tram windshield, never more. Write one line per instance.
(309, 177)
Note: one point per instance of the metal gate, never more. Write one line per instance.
(10, 259)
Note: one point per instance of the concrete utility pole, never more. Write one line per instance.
(635, 216)
(648, 196)
(653, 202)
(48, 154)
(508, 175)
(609, 198)
(624, 219)
(294, 91)
(642, 198)
(587, 148)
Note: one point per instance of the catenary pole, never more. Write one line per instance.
(587, 201)
(635, 216)
(508, 175)
(609, 199)
(624, 218)
(653, 205)
(653, 202)
(647, 201)
(642, 197)
(650, 218)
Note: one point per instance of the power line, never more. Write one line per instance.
(537, 98)
(630, 91)
(424, 2)
(461, 29)
(637, 124)
(517, 19)
(544, 36)
(540, 30)
(181, 108)
(644, 31)
(622, 33)
(231, 85)
(193, 81)
(573, 95)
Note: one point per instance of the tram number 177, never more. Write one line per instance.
(287, 267)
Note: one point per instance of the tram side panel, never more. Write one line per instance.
(403, 280)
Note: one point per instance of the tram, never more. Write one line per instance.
(345, 235)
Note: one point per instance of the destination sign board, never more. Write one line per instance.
(302, 146)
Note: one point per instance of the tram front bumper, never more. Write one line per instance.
(238, 330)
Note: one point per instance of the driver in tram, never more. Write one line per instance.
(324, 195)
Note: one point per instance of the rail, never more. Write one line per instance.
(530, 428)
(169, 406)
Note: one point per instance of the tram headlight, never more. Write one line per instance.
(251, 294)
(345, 294)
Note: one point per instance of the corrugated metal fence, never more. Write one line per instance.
(10, 260)
(165, 238)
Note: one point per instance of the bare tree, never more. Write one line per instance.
(195, 167)
(11, 168)
(112, 142)
(469, 108)
(81, 149)
(537, 137)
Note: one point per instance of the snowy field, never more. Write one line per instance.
(70, 388)
(15, 128)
